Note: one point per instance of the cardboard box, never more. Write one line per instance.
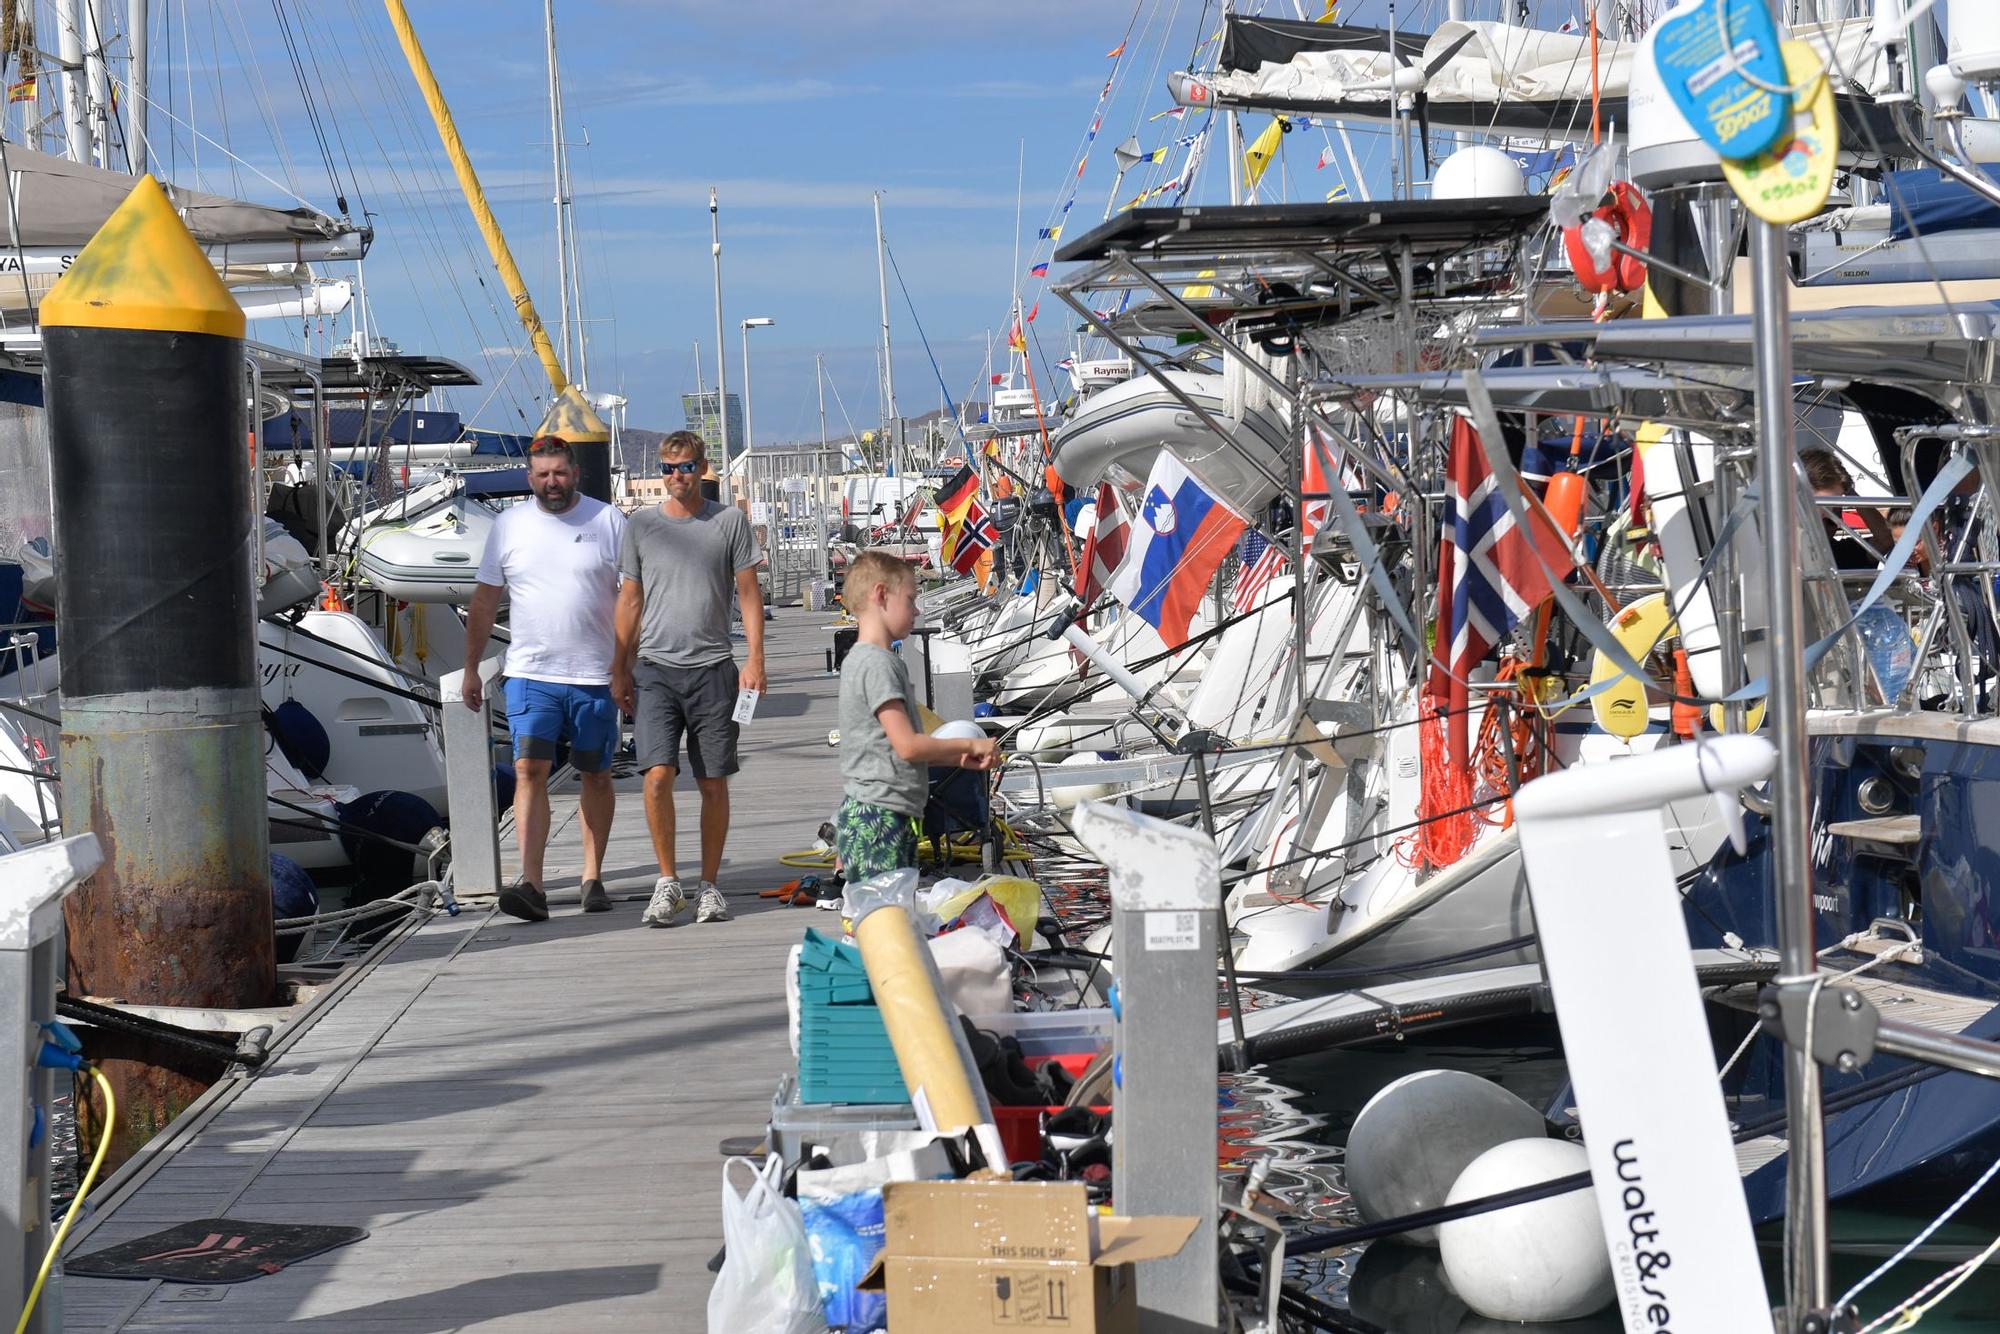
(1006, 1256)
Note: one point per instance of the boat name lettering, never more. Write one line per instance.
(1641, 1264)
(16, 264)
(275, 671)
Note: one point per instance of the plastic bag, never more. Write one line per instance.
(766, 1285)
(845, 1232)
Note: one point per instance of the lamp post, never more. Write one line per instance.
(749, 443)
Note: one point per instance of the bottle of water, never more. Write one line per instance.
(1892, 653)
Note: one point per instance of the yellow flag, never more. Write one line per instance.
(1265, 147)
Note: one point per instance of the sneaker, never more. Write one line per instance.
(668, 902)
(595, 899)
(523, 900)
(709, 906)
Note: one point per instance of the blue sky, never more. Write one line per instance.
(796, 112)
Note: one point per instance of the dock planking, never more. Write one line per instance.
(524, 1116)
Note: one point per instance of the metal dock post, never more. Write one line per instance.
(468, 772)
(31, 964)
(1166, 898)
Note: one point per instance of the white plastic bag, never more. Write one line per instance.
(766, 1285)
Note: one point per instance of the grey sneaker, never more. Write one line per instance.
(708, 904)
(668, 902)
(595, 897)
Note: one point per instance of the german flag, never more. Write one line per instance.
(958, 491)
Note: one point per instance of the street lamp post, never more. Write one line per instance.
(754, 322)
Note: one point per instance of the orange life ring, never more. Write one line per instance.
(1632, 218)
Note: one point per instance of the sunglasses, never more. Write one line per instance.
(685, 468)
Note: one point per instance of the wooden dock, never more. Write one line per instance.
(525, 1117)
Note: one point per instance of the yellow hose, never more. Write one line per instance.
(75, 1205)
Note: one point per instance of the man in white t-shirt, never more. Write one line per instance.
(557, 561)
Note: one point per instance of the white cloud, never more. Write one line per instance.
(651, 90)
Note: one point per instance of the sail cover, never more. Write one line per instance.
(58, 205)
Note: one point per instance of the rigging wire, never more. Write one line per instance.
(924, 338)
(290, 39)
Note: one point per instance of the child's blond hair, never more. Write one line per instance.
(872, 569)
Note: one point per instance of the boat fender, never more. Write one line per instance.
(1541, 1261)
(293, 894)
(1066, 798)
(1631, 221)
(301, 738)
(1411, 1141)
(403, 817)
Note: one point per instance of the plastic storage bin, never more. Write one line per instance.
(796, 1127)
(1052, 1032)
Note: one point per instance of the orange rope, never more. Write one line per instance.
(1442, 839)
(1048, 450)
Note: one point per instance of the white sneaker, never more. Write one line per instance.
(709, 905)
(668, 902)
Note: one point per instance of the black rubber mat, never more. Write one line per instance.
(213, 1250)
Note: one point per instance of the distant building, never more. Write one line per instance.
(704, 419)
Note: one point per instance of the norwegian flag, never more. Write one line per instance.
(1250, 584)
(971, 537)
(1490, 576)
(1104, 547)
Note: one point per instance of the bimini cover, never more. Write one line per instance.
(1923, 203)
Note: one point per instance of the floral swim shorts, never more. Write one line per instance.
(872, 839)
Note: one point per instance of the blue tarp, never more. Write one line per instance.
(19, 387)
(344, 427)
(1922, 202)
(499, 444)
(497, 482)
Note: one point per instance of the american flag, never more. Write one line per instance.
(1489, 579)
(1104, 546)
(1250, 583)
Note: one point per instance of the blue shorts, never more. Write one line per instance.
(542, 714)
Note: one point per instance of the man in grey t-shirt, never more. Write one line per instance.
(675, 671)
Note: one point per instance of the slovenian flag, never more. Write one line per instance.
(1179, 540)
(1040, 270)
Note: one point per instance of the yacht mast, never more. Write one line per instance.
(721, 349)
(561, 200)
(137, 143)
(888, 363)
(97, 84)
(575, 265)
(69, 58)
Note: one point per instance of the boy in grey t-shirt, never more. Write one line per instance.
(883, 755)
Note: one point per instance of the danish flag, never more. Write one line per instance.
(1104, 547)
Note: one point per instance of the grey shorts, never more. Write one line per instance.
(695, 701)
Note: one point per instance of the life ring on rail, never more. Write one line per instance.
(1631, 217)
